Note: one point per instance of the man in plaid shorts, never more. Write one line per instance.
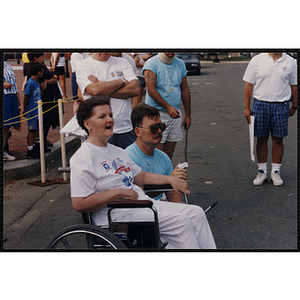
(272, 80)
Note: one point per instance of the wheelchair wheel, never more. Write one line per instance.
(79, 237)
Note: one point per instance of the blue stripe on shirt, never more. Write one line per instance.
(10, 77)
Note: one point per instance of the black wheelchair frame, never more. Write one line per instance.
(117, 235)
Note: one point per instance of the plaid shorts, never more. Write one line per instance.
(270, 117)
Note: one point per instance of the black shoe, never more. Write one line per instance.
(48, 144)
(47, 150)
(33, 154)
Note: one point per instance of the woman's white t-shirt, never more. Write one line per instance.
(98, 169)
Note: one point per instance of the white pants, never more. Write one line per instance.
(183, 226)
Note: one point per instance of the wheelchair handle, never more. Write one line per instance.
(64, 170)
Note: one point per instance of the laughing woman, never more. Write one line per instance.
(101, 173)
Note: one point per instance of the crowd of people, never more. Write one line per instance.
(131, 102)
(40, 83)
(91, 75)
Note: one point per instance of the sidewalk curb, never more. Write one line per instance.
(25, 168)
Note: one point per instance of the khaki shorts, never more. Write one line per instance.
(174, 130)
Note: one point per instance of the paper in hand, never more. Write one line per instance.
(251, 135)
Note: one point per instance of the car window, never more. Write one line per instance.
(186, 56)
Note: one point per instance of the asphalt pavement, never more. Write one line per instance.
(220, 169)
(247, 216)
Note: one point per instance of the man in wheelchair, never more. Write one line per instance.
(102, 173)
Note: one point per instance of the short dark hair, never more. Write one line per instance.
(35, 67)
(85, 109)
(32, 55)
(140, 111)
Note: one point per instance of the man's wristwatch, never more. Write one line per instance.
(295, 108)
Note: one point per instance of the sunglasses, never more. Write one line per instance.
(154, 128)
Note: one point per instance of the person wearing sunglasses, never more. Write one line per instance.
(102, 172)
(148, 129)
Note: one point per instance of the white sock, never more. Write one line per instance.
(276, 167)
(263, 167)
(29, 147)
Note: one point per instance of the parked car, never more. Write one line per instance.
(191, 61)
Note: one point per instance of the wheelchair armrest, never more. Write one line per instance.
(153, 190)
(130, 204)
(158, 187)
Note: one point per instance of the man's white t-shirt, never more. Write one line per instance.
(77, 57)
(112, 69)
(271, 80)
(98, 169)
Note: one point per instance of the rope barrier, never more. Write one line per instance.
(41, 136)
(67, 100)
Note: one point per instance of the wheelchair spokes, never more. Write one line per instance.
(81, 237)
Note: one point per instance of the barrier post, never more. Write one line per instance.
(41, 136)
(43, 181)
(62, 138)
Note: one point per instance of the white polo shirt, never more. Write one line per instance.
(271, 80)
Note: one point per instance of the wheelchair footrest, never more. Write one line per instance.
(136, 234)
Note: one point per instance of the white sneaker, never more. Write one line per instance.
(275, 177)
(261, 178)
(8, 157)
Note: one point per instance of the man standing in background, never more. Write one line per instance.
(166, 82)
(272, 80)
(104, 75)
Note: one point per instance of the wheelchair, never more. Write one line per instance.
(117, 235)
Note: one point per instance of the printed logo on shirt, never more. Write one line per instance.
(120, 169)
(118, 165)
(116, 74)
(106, 166)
